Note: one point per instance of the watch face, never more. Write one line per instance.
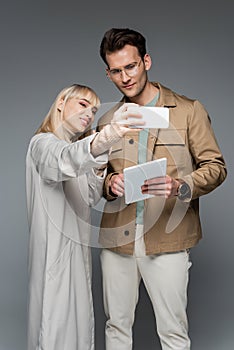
(184, 191)
(184, 188)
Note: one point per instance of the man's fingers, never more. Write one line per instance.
(117, 185)
(156, 181)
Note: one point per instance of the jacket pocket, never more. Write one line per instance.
(116, 156)
(171, 143)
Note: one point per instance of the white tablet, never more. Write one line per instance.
(135, 176)
(154, 117)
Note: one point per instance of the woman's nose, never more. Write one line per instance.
(89, 112)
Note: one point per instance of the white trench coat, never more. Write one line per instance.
(61, 186)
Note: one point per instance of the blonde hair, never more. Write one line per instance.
(54, 117)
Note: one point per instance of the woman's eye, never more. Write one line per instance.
(83, 104)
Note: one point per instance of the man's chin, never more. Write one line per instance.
(128, 92)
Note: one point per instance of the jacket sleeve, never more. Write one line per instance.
(56, 160)
(210, 170)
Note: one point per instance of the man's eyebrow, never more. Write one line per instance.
(128, 64)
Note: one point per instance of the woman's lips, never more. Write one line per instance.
(84, 121)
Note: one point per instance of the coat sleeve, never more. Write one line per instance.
(56, 160)
(106, 118)
(95, 183)
(210, 170)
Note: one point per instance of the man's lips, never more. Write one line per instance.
(129, 86)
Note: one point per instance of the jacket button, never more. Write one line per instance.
(126, 233)
(131, 141)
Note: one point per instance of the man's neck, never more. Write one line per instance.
(146, 95)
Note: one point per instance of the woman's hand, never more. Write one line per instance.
(124, 120)
(111, 133)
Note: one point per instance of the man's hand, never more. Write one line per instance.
(116, 184)
(164, 186)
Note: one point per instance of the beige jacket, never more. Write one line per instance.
(192, 154)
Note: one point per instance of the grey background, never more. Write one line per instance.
(46, 45)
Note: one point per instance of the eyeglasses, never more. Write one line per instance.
(131, 70)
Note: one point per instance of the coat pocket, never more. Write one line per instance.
(62, 261)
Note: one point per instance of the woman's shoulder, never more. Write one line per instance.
(43, 135)
(41, 140)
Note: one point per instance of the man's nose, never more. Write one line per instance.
(124, 76)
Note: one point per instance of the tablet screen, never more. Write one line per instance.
(135, 176)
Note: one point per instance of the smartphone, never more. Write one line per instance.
(154, 117)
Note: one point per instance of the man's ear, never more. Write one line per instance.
(60, 105)
(108, 74)
(147, 61)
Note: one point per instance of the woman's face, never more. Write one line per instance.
(78, 114)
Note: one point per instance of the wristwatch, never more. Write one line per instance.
(184, 191)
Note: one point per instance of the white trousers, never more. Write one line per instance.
(166, 279)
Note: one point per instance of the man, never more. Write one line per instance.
(150, 240)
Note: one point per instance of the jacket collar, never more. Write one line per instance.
(166, 96)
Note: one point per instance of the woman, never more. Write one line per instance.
(64, 178)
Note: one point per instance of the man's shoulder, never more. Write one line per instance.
(172, 95)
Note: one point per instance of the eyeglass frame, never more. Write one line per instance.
(120, 70)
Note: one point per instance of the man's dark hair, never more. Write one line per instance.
(116, 38)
